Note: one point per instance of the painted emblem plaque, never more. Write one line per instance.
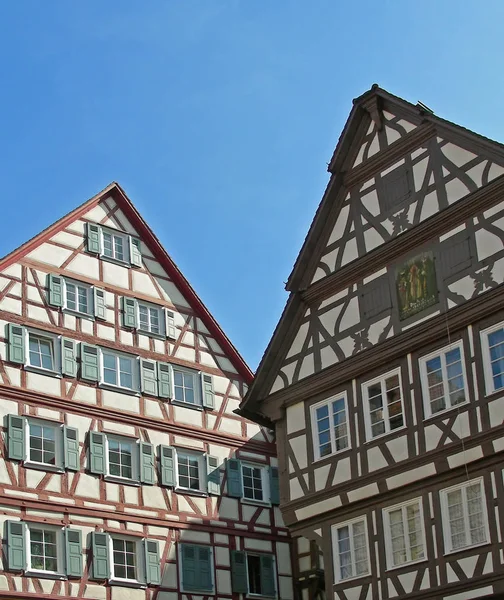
(416, 285)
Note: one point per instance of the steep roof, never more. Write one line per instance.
(115, 191)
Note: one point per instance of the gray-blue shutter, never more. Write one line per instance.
(170, 323)
(205, 567)
(16, 447)
(93, 238)
(16, 545)
(239, 580)
(164, 380)
(152, 564)
(274, 485)
(73, 552)
(135, 252)
(99, 303)
(148, 377)
(89, 362)
(129, 312)
(234, 478)
(147, 463)
(268, 586)
(71, 448)
(167, 465)
(196, 568)
(213, 476)
(16, 335)
(207, 390)
(97, 450)
(68, 357)
(55, 285)
(100, 551)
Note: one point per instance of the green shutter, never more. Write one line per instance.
(208, 391)
(167, 465)
(68, 357)
(71, 448)
(268, 586)
(99, 303)
(196, 568)
(73, 552)
(100, 551)
(239, 572)
(55, 285)
(148, 377)
(146, 462)
(129, 311)
(16, 553)
(135, 253)
(213, 476)
(16, 437)
(16, 335)
(152, 564)
(274, 485)
(93, 238)
(170, 324)
(234, 479)
(97, 450)
(89, 362)
(205, 568)
(164, 380)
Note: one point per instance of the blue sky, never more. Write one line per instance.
(218, 119)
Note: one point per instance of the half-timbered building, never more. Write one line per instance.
(124, 471)
(385, 375)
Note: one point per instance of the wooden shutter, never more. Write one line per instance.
(93, 238)
(190, 578)
(73, 552)
(267, 575)
(239, 579)
(16, 336)
(274, 485)
(89, 362)
(376, 298)
(167, 465)
(100, 551)
(97, 450)
(71, 448)
(129, 312)
(68, 357)
(395, 189)
(146, 451)
(16, 427)
(164, 380)
(204, 567)
(16, 546)
(99, 303)
(135, 252)
(213, 476)
(55, 285)
(152, 563)
(148, 377)
(207, 390)
(170, 324)
(234, 478)
(455, 254)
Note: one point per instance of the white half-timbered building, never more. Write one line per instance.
(385, 375)
(124, 471)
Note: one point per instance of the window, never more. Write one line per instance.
(350, 550)
(404, 533)
(113, 245)
(43, 544)
(464, 516)
(125, 558)
(254, 482)
(196, 568)
(150, 318)
(443, 379)
(191, 472)
(384, 406)
(184, 386)
(43, 441)
(330, 427)
(492, 341)
(41, 351)
(35, 349)
(122, 458)
(253, 574)
(119, 370)
(78, 297)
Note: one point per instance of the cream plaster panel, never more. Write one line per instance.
(411, 476)
(116, 275)
(372, 239)
(432, 436)
(496, 412)
(469, 594)
(187, 415)
(112, 492)
(363, 492)
(43, 383)
(84, 393)
(189, 442)
(143, 283)
(298, 342)
(143, 341)
(153, 496)
(34, 477)
(13, 374)
(318, 508)
(47, 413)
(232, 405)
(126, 337)
(286, 589)
(106, 332)
(169, 579)
(339, 226)
(376, 460)
(49, 254)
(116, 427)
(123, 221)
(225, 364)
(370, 202)
(229, 507)
(461, 425)
(457, 155)
(62, 237)
(188, 354)
(255, 544)
(467, 456)
(232, 426)
(220, 452)
(398, 447)
(32, 293)
(307, 366)
(88, 486)
(131, 497)
(38, 314)
(222, 557)
(69, 322)
(11, 305)
(298, 446)
(13, 270)
(295, 417)
(159, 346)
(198, 537)
(154, 267)
(123, 402)
(223, 582)
(85, 264)
(152, 409)
(172, 293)
(220, 384)
(4, 473)
(8, 407)
(208, 360)
(350, 252)
(343, 471)
(126, 593)
(487, 243)
(98, 212)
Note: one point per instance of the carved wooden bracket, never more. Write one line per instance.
(373, 106)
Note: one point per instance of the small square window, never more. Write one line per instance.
(330, 426)
(41, 351)
(119, 370)
(255, 482)
(384, 405)
(44, 442)
(191, 472)
(126, 563)
(404, 533)
(114, 245)
(150, 319)
(122, 458)
(350, 550)
(492, 342)
(185, 386)
(78, 297)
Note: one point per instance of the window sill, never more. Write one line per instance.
(382, 435)
(353, 578)
(187, 405)
(188, 492)
(76, 313)
(255, 502)
(406, 564)
(446, 410)
(115, 261)
(198, 591)
(116, 388)
(42, 371)
(332, 455)
(469, 547)
(43, 467)
(122, 480)
(156, 336)
(45, 575)
(127, 583)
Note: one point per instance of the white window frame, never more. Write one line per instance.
(90, 297)
(181, 569)
(161, 318)
(202, 471)
(447, 537)
(58, 444)
(60, 545)
(259, 554)
(264, 482)
(139, 560)
(487, 366)
(315, 433)
(336, 556)
(422, 362)
(135, 361)
(135, 466)
(198, 403)
(126, 260)
(388, 533)
(56, 351)
(385, 407)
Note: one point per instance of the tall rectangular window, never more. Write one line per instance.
(184, 384)
(41, 351)
(443, 379)
(114, 245)
(42, 441)
(404, 533)
(43, 549)
(190, 471)
(384, 405)
(350, 550)
(150, 318)
(330, 426)
(254, 482)
(492, 342)
(120, 457)
(124, 563)
(77, 297)
(119, 370)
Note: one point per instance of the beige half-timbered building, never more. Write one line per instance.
(125, 473)
(385, 375)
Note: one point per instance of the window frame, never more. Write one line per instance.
(422, 365)
(336, 555)
(135, 373)
(487, 365)
(161, 319)
(265, 483)
(60, 545)
(58, 446)
(196, 375)
(139, 555)
(275, 571)
(90, 297)
(202, 472)
(385, 407)
(126, 242)
(56, 351)
(314, 430)
(445, 517)
(388, 533)
(135, 462)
